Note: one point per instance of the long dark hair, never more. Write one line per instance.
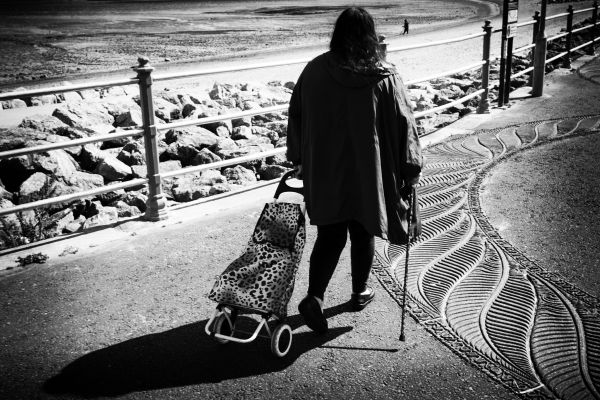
(354, 40)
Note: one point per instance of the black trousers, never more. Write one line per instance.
(331, 240)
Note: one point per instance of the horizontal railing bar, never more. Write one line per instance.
(214, 71)
(73, 196)
(583, 10)
(435, 110)
(69, 88)
(222, 117)
(557, 16)
(583, 28)
(225, 163)
(525, 71)
(436, 43)
(446, 73)
(583, 45)
(69, 143)
(520, 24)
(524, 48)
(556, 57)
(558, 36)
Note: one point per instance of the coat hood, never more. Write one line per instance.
(349, 78)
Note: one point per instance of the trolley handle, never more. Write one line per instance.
(284, 187)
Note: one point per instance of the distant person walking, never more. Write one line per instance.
(405, 32)
(352, 133)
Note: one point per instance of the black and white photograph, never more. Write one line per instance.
(273, 199)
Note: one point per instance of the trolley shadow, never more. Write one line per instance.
(179, 357)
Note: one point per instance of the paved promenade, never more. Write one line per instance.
(124, 316)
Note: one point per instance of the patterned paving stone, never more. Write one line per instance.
(524, 326)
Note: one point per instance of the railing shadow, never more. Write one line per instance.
(179, 357)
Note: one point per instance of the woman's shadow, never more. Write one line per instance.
(179, 357)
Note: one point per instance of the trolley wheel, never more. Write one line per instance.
(281, 340)
(223, 327)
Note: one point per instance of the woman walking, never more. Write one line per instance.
(352, 133)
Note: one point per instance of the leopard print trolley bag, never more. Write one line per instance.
(262, 279)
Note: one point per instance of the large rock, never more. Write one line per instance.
(44, 123)
(133, 153)
(9, 224)
(188, 106)
(224, 144)
(124, 111)
(90, 156)
(278, 126)
(5, 194)
(195, 136)
(221, 91)
(54, 126)
(273, 94)
(242, 132)
(107, 199)
(185, 153)
(75, 226)
(56, 162)
(268, 172)
(169, 166)
(186, 190)
(17, 138)
(113, 170)
(70, 97)
(106, 216)
(263, 142)
(137, 200)
(84, 116)
(166, 110)
(169, 96)
(15, 103)
(125, 210)
(44, 100)
(197, 95)
(205, 156)
(194, 186)
(210, 177)
(38, 186)
(279, 159)
(265, 132)
(239, 175)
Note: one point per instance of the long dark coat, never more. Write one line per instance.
(355, 136)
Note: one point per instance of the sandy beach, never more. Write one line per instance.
(61, 39)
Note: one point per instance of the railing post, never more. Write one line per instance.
(536, 27)
(382, 47)
(484, 103)
(539, 64)
(156, 205)
(567, 59)
(591, 48)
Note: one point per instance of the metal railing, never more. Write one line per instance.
(156, 203)
(540, 40)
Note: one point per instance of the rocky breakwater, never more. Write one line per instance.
(75, 169)
(54, 173)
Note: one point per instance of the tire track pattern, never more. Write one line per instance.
(524, 326)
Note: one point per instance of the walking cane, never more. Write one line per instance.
(409, 215)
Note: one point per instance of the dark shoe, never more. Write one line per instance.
(360, 301)
(313, 316)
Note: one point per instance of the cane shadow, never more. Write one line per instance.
(179, 357)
